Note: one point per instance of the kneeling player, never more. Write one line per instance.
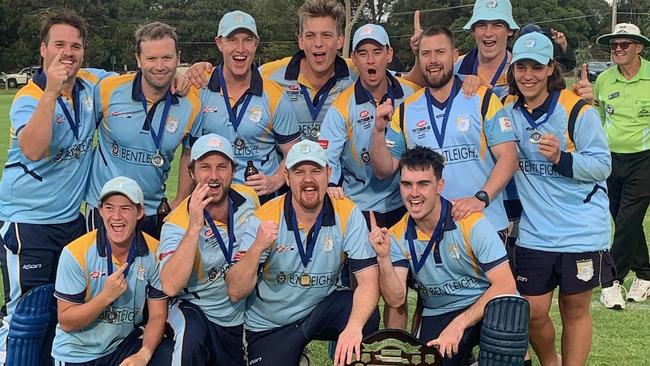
(458, 266)
(302, 242)
(102, 282)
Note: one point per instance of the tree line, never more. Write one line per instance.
(112, 24)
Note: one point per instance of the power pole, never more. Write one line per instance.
(614, 14)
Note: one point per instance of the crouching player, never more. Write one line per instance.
(458, 266)
(102, 282)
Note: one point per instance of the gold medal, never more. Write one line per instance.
(305, 280)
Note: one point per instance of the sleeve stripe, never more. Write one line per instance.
(357, 265)
(75, 299)
(487, 267)
(401, 263)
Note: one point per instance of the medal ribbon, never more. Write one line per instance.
(435, 237)
(496, 76)
(315, 110)
(227, 252)
(74, 123)
(440, 133)
(157, 137)
(529, 117)
(312, 237)
(235, 119)
(109, 256)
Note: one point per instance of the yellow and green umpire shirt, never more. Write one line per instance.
(206, 287)
(288, 290)
(346, 135)
(263, 120)
(624, 107)
(309, 104)
(461, 129)
(81, 275)
(452, 274)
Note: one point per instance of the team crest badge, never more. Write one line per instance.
(115, 150)
(453, 250)
(505, 124)
(492, 4)
(585, 269)
(88, 103)
(462, 124)
(255, 115)
(140, 273)
(530, 43)
(328, 244)
(609, 109)
(172, 124)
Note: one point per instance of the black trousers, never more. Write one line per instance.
(629, 196)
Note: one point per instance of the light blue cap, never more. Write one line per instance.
(124, 186)
(492, 10)
(370, 31)
(234, 20)
(306, 150)
(532, 46)
(211, 143)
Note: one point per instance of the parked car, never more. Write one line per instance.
(594, 69)
(21, 77)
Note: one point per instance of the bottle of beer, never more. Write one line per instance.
(161, 212)
(250, 170)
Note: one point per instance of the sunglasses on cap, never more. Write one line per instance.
(623, 45)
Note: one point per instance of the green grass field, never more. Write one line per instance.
(620, 338)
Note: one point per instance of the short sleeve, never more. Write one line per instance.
(22, 110)
(355, 240)
(70, 279)
(154, 288)
(396, 253)
(285, 123)
(170, 237)
(486, 245)
(246, 238)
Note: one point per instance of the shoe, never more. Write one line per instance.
(639, 291)
(612, 298)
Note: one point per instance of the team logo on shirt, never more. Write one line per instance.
(122, 114)
(97, 274)
(88, 103)
(453, 251)
(585, 269)
(365, 119)
(293, 92)
(172, 124)
(609, 109)
(390, 143)
(462, 124)
(115, 149)
(255, 114)
(162, 256)
(281, 278)
(643, 113)
(505, 124)
(328, 244)
(209, 109)
(59, 119)
(365, 156)
(139, 275)
(284, 248)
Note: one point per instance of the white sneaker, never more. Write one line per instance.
(612, 298)
(639, 291)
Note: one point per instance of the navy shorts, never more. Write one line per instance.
(284, 345)
(538, 272)
(129, 346)
(202, 342)
(432, 326)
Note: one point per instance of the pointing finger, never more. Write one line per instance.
(122, 268)
(583, 73)
(416, 22)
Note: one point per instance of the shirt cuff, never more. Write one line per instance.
(565, 165)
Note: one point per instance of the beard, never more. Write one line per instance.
(441, 81)
(309, 203)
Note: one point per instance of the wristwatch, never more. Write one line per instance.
(483, 196)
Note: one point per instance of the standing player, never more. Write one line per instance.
(103, 280)
(457, 265)
(348, 125)
(623, 100)
(461, 128)
(248, 109)
(198, 245)
(43, 182)
(564, 161)
(303, 239)
(141, 123)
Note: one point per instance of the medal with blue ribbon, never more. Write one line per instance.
(234, 117)
(440, 133)
(111, 315)
(157, 159)
(434, 240)
(497, 75)
(314, 110)
(306, 252)
(73, 122)
(536, 136)
(227, 251)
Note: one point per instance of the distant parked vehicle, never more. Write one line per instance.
(21, 77)
(594, 69)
